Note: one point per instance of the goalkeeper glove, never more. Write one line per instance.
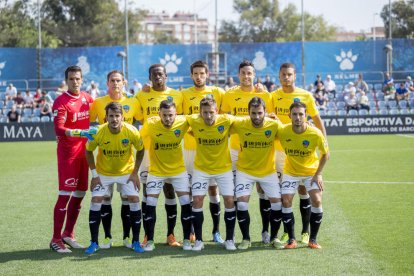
(84, 132)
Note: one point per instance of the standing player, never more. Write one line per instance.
(115, 84)
(191, 104)
(282, 99)
(115, 164)
(300, 142)
(164, 135)
(235, 102)
(149, 106)
(71, 111)
(256, 164)
(212, 162)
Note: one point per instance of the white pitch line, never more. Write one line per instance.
(367, 182)
(406, 135)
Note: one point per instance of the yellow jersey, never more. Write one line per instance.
(129, 109)
(300, 149)
(236, 101)
(191, 105)
(115, 154)
(212, 151)
(165, 151)
(257, 152)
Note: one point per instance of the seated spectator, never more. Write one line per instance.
(93, 90)
(321, 100)
(311, 88)
(389, 92)
(19, 100)
(409, 84)
(47, 97)
(28, 99)
(36, 97)
(351, 102)
(360, 84)
(61, 89)
(318, 79)
(320, 88)
(137, 86)
(387, 79)
(363, 101)
(11, 92)
(402, 92)
(330, 86)
(13, 115)
(268, 83)
(350, 88)
(229, 84)
(45, 108)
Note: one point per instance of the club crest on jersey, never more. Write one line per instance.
(220, 129)
(84, 101)
(126, 108)
(296, 100)
(170, 99)
(177, 132)
(125, 142)
(305, 143)
(55, 113)
(268, 133)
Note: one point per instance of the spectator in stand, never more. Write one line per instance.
(363, 101)
(94, 91)
(11, 92)
(311, 88)
(268, 83)
(321, 99)
(330, 86)
(45, 108)
(352, 102)
(320, 88)
(402, 92)
(137, 86)
(409, 84)
(36, 97)
(360, 84)
(387, 79)
(230, 83)
(28, 99)
(350, 88)
(46, 97)
(318, 79)
(19, 100)
(61, 89)
(13, 115)
(389, 92)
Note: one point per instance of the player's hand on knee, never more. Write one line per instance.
(135, 180)
(317, 178)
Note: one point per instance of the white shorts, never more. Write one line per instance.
(201, 179)
(234, 154)
(106, 189)
(291, 183)
(179, 182)
(189, 156)
(143, 168)
(245, 182)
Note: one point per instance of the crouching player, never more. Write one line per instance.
(302, 167)
(115, 164)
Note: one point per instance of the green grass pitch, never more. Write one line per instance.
(367, 228)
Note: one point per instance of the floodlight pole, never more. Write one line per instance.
(303, 48)
(126, 40)
(39, 45)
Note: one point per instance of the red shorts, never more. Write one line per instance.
(73, 174)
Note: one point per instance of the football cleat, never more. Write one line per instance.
(265, 237)
(314, 245)
(284, 238)
(229, 245)
(187, 245)
(107, 243)
(59, 247)
(72, 243)
(144, 241)
(305, 238)
(171, 241)
(128, 242)
(94, 247)
(149, 246)
(244, 245)
(217, 238)
(136, 246)
(192, 237)
(198, 245)
(291, 244)
(276, 243)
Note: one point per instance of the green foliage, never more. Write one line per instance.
(263, 21)
(161, 37)
(402, 15)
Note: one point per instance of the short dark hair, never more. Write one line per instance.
(155, 66)
(208, 101)
(256, 102)
(287, 65)
(297, 105)
(199, 63)
(166, 104)
(245, 63)
(114, 106)
(72, 68)
(114, 72)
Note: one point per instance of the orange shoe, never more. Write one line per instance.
(192, 237)
(144, 241)
(171, 241)
(314, 245)
(292, 244)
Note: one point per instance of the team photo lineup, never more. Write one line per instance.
(198, 141)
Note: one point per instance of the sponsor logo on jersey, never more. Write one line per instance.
(237, 99)
(177, 132)
(170, 99)
(125, 142)
(268, 133)
(158, 135)
(220, 129)
(55, 113)
(305, 143)
(126, 108)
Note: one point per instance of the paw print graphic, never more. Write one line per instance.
(170, 63)
(346, 60)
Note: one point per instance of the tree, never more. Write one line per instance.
(161, 37)
(402, 19)
(263, 21)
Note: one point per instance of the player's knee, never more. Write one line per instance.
(97, 199)
(212, 191)
(302, 190)
(198, 201)
(133, 199)
(228, 202)
(286, 201)
(242, 206)
(169, 191)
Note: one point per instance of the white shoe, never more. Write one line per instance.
(72, 243)
(265, 237)
(128, 242)
(198, 245)
(107, 243)
(187, 245)
(229, 245)
(59, 247)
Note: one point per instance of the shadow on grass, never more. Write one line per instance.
(161, 249)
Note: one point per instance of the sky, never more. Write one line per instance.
(352, 15)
